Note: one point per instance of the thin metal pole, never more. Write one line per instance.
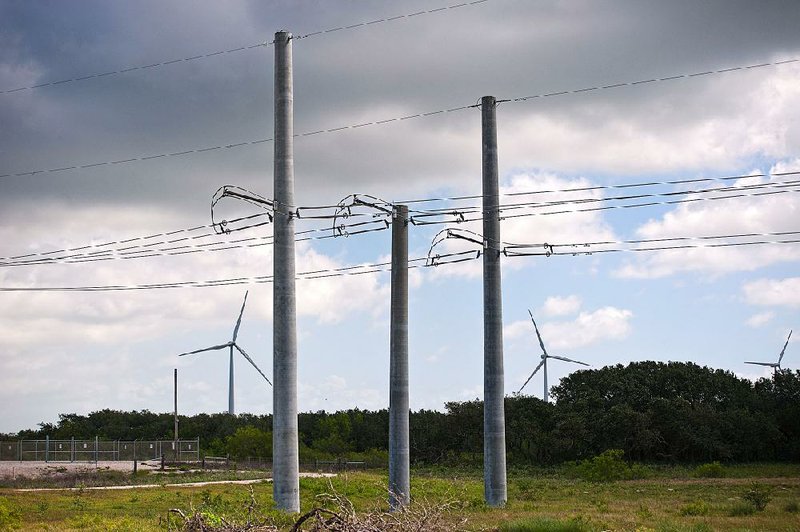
(399, 455)
(285, 468)
(175, 388)
(231, 409)
(544, 367)
(494, 423)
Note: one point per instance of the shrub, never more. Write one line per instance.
(758, 495)
(711, 470)
(606, 467)
(695, 508)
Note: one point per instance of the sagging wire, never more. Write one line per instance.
(363, 269)
(234, 191)
(586, 248)
(345, 209)
(436, 259)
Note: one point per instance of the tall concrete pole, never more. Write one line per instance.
(285, 466)
(494, 422)
(399, 453)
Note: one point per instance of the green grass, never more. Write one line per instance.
(546, 501)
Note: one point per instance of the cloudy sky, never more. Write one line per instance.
(100, 160)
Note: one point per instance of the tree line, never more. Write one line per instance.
(653, 411)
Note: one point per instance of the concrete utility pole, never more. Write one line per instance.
(285, 465)
(399, 454)
(494, 421)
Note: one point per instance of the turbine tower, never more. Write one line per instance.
(231, 345)
(543, 363)
(774, 365)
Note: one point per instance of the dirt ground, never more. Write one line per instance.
(39, 469)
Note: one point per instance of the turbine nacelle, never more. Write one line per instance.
(774, 365)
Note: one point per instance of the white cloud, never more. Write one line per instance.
(710, 127)
(588, 328)
(758, 215)
(517, 329)
(757, 320)
(561, 306)
(773, 292)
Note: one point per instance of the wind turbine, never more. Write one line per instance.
(774, 365)
(543, 363)
(231, 345)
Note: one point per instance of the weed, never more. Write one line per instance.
(78, 502)
(791, 507)
(545, 524)
(10, 516)
(710, 470)
(698, 507)
(644, 512)
(758, 495)
(741, 509)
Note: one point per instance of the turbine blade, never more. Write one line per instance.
(239, 321)
(784, 347)
(531, 376)
(769, 364)
(245, 355)
(213, 348)
(541, 343)
(565, 359)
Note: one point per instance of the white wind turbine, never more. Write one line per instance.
(231, 345)
(774, 365)
(543, 363)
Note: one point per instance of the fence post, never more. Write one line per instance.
(95, 449)
(72, 449)
(47, 448)
(19, 450)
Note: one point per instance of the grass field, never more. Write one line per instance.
(670, 499)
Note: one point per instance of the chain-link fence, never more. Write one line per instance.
(98, 450)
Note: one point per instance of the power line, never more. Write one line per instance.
(653, 80)
(361, 269)
(145, 246)
(240, 48)
(184, 246)
(459, 217)
(380, 122)
(602, 187)
(666, 243)
(366, 269)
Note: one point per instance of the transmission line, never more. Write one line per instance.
(365, 269)
(182, 246)
(382, 122)
(242, 48)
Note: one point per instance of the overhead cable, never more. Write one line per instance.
(242, 48)
(380, 122)
(372, 268)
